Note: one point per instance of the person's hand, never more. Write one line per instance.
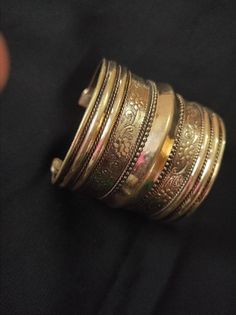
(4, 62)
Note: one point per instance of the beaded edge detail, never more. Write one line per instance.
(198, 148)
(142, 138)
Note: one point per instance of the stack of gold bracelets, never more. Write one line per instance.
(141, 146)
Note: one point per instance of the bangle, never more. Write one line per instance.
(142, 146)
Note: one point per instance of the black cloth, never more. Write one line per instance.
(65, 253)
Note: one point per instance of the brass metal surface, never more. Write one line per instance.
(142, 146)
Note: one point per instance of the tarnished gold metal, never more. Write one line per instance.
(141, 146)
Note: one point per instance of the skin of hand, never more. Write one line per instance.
(4, 62)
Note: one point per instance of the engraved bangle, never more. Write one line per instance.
(142, 146)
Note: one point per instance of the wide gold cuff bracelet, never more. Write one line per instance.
(141, 146)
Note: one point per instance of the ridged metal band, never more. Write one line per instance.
(140, 143)
(142, 146)
(124, 139)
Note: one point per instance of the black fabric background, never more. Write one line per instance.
(64, 253)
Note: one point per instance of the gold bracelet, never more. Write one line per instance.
(141, 146)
